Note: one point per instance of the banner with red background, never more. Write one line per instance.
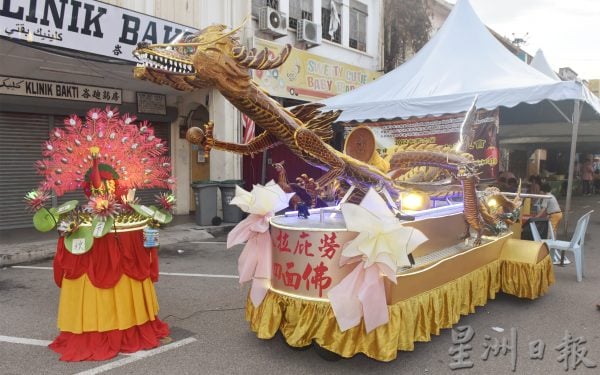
(442, 130)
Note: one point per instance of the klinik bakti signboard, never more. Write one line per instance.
(84, 25)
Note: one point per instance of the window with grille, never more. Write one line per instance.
(257, 4)
(300, 10)
(331, 25)
(358, 26)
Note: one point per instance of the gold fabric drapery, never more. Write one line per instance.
(414, 319)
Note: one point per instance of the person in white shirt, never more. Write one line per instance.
(550, 208)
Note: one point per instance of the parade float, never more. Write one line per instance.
(106, 259)
(382, 270)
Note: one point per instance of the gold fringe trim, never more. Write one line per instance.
(415, 319)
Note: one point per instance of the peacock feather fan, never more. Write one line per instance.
(104, 154)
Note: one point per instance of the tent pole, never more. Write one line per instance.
(561, 112)
(576, 117)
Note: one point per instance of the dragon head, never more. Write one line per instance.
(212, 57)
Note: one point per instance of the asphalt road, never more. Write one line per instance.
(211, 336)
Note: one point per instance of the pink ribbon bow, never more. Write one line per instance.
(360, 293)
(255, 261)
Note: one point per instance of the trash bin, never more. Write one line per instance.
(205, 195)
(231, 213)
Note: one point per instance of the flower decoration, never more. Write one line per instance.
(36, 199)
(108, 156)
(128, 119)
(255, 261)
(126, 152)
(111, 112)
(94, 114)
(381, 248)
(262, 199)
(66, 227)
(73, 121)
(103, 206)
(166, 201)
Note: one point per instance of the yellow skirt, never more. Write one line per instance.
(85, 308)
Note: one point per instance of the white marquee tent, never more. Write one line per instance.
(462, 60)
(540, 63)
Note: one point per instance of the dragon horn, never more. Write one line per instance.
(195, 44)
(518, 197)
(252, 60)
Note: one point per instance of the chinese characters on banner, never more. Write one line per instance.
(443, 130)
(571, 352)
(306, 262)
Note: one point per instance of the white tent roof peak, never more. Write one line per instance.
(540, 63)
(463, 59)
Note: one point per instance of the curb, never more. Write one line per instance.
(29, 253)
(43, 250)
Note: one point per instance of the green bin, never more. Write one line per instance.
(231, 213)
(205, 195)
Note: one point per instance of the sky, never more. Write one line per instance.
(567, 31)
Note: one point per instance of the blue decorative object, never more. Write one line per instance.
(303, 210)
(151, 237)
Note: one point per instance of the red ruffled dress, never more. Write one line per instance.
(107, 300)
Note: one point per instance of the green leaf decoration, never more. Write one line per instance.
(143, 210)
(101, 226)
(80, 241)
(45, 221)
(67, 207)
(163, 216)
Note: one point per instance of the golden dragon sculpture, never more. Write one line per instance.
(214, 58)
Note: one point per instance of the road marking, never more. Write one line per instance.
(160, 273)
(25, 341)
(134, 357)
(198, 275)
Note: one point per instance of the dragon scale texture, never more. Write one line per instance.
(214, 58)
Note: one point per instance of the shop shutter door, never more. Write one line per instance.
(21, 138)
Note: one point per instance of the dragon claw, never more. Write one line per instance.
(202, 137)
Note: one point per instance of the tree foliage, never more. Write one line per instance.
(407, 29)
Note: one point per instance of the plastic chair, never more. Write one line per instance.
(536, 234)
(575, 245)
(537, 237)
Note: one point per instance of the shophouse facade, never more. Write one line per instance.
(52, 52)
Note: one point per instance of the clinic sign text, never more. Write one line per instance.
(84, 25)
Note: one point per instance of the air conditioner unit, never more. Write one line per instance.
(272, 21)
(309, 32)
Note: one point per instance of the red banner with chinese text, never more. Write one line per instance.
(443, 130)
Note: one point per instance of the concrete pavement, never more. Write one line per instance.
(28, 245)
